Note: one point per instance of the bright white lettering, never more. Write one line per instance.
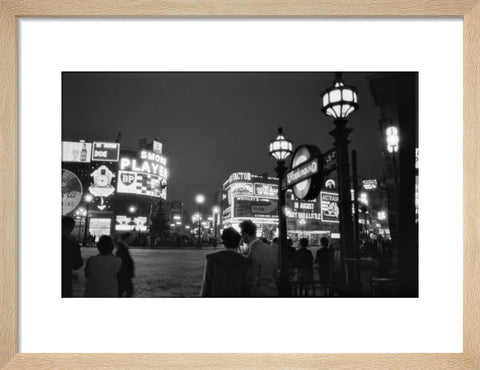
(124, 163)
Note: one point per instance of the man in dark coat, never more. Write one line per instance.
(226, 272)
(126, 273)
(323, 260)
(71, 255)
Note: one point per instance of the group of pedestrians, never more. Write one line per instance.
(229, 273)
(107, 274)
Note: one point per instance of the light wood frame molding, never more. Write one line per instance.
(10, 10)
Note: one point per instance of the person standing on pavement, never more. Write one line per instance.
(226, 272)
(263, 266)
(127, 271)
(322, 259)
(71, 255)
(101, 271)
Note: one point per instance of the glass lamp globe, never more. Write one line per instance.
(280, 148)
(392, 139)
(340, 101)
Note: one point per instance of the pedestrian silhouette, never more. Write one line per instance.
(101, 271)
(71, 255)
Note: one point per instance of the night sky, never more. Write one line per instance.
(213, 124)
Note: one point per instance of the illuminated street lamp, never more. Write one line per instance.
(280, 149)
(132, 209)
(339, 102)
(80, 214)
(392, 147)
(88, 198)
(302, 222)
(200, 198)
(216, 213)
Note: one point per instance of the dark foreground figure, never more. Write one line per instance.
(226, 272)
(71, 256)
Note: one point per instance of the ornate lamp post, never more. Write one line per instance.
(281, 149)
(88, 198)
(392, 147)
(216, 212)
(200, 198)
(338, 102)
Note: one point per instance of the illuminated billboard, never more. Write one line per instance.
(125, 223)
(76, 151)
(143, 175)
(72, 191)
(265, 190)
(106, 152)
(255, 208)
(140, 183)
(329, 207)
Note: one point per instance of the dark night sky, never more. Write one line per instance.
(213, 124)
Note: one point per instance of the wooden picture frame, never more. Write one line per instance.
(10, 10)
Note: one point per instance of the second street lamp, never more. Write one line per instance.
(216, 213)
(338, 102)
(200, 198)
(88, 199)
(281, 149)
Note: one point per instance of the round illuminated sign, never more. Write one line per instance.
(306, 163)
(72, 191)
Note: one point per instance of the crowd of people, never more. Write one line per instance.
(107, 274)
(231, 273)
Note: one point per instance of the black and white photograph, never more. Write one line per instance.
(239, 184)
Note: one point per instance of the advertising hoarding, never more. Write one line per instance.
(72, 191)
(125, 223)
(140, 183)
(144, 175)
(105, 152)
(99, 226)
(329, 207)
(76, 151)
(265, 190)
(157, 146)
(255, 208)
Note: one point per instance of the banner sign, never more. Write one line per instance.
(241, 188)
(125, 223)
(140, 183)
(76, 151)
(369, 184)
(329, 160)
(265, 190)
(105, 152)
(329, 207)
(259, 208)
(72, 191)
(157, 147)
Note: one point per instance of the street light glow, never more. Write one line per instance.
(132, 209)
(216, 209)
(339, 101)
(200, 198)
(280, 148)
(88, 198)
(392, 139)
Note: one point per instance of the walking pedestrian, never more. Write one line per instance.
(101, 270)
(263, 265)
(127, 271)
(71, 255)
(323, 261)
(304, 265)
(226, 271)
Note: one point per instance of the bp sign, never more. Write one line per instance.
(305, 176)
